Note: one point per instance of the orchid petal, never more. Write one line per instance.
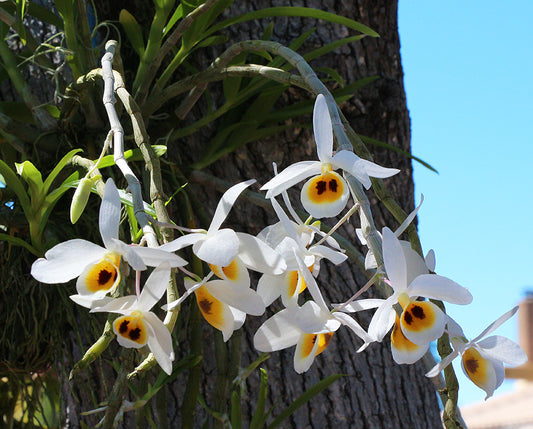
(122, 305)
(480, 370)
(433, 372)
(496, 324)
(403, 350)
(160, 343)
(322, 129)
(288, 225)
(277, 333)
(155, 287)
(215, 312)
(414, 263)
(183, 241)
(353, 325)
(409, 219)
(155, 256)
(311, 283)
(109, 218)
(311, 319)
(394, 261)
(360, 305)
(225, 204)
(89, 301)
(325, 252)
(325, 195)
(375, 170)
(238, 319)
(66, 261)
(259, 256)
(218, 249)
(269, 287)
(383, 319)
(503, 349)
(306, 350)
(246, 300)
(292, 175)
(430, 260)
(190, 286)
(422, 322)
(100, 278)
(440, 288)
(236, 273)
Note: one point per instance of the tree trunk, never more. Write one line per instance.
(376, 392)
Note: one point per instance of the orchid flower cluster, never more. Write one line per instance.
(288, 255)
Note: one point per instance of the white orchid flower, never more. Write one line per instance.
(370, 259)
(421, 321)
(295, 240)
(219, 247)
(309, 327)
(483, 357)
(97, 267)
(326, 194)
(138, 326)
(212, 298)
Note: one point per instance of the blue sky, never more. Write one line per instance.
(469, 81)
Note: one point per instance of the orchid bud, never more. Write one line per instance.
(80, 198)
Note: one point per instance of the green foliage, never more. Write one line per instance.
(36, 200)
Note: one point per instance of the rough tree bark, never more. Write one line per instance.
(377, 392)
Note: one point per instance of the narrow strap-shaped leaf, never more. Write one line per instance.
(236, 411)
(133, 31)
(259, 417)
(13, 182)
(19, 242)
(57, 169)
(303, 398)
(296, 11)
(379, 143)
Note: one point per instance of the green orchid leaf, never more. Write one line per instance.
(332, 73)
(259, 417)
(246, 372)
(44, 15)
(133, 31)
(17, 110)
(369, 140)
(132, 155)
(53, 197)
(269, 30)
(331, 47)
(212, 40)
(34, 180)
(295, 11)
(12, 182)
(176, 16)
(19, 242)
(57, 169)
(236, 410)
(303, 398)
(21, 11)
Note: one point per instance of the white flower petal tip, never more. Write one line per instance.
(322, 129)
(403, 350)
(422, 322)
(325, 195)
